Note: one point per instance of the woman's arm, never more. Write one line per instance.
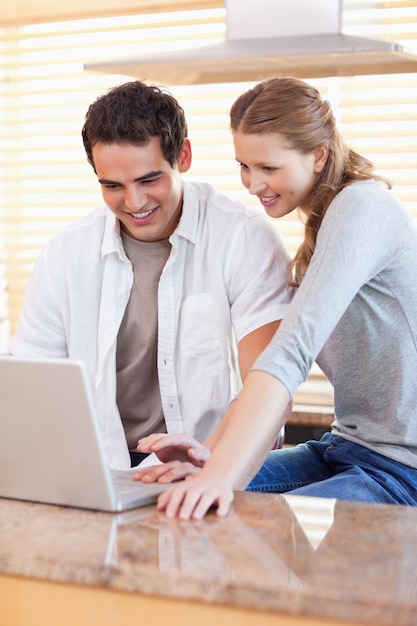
(254, 421)
(181, 454)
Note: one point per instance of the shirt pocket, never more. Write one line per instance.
(198, 335)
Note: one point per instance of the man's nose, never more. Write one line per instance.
(135, 198)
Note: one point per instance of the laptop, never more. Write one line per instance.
(51, 449)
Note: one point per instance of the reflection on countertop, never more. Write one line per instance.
(300, 556)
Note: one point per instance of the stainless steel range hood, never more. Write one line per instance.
(303, 38)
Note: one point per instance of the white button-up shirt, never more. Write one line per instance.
(225, 277)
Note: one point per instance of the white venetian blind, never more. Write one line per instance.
(45, 181)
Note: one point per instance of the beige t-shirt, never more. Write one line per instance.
(138, 395)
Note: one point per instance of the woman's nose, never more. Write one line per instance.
(256, 185)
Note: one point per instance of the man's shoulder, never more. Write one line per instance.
(222, 210)
(80, 239)
(90, 225)
(93, 219)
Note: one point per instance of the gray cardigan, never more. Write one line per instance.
(355, 313)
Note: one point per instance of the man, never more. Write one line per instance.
(168, 292)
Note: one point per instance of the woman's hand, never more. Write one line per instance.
(193, 497)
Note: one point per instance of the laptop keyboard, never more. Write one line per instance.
(123, 483)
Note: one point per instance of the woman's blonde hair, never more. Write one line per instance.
(305, 121)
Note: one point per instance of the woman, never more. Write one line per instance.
(354, 312)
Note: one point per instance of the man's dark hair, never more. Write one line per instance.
(134, 113)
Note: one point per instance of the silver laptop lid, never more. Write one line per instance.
(50, 445)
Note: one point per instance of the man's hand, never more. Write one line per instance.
(181, 456)
(168, 472)
(178, 447)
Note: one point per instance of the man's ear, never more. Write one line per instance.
(320, 158)
(185, 157)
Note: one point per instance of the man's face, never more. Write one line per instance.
(141, 188)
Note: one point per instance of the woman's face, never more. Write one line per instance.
(280, 177)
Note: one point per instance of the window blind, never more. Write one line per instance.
(45, 181)
(15, 12)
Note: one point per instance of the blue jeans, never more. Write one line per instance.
(336, 468)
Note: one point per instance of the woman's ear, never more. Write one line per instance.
(320, 158)
(185, 158)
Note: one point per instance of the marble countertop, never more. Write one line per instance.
(300, 556)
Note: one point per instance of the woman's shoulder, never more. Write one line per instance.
(364, 188)
(369, 197)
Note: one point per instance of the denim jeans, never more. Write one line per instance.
(336, 468)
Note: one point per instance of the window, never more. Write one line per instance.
(45, 181)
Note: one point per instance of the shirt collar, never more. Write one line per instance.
(112, 241)
(187, 226)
